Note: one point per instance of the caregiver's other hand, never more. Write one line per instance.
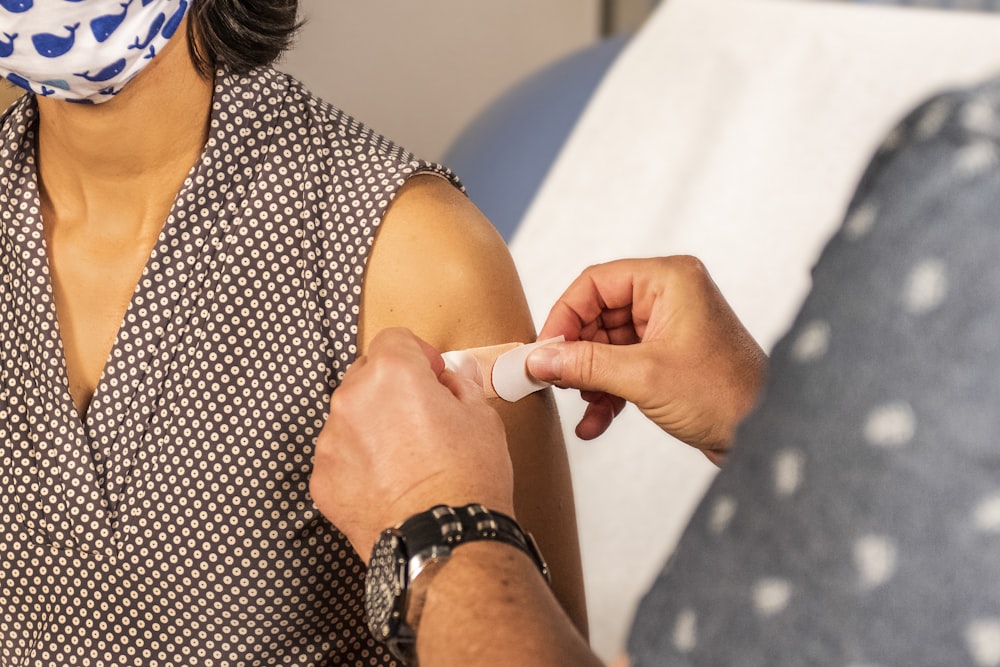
(404, 435)
(659, 334)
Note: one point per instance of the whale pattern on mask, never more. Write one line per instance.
(105, 74)
(7, 47)
(43, 50)
(175, 21)
(103, 26)
(18, 80)
(154, 30)
(52, 46)
(16, 6)
(58, 83)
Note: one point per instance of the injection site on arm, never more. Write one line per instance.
(500, 369)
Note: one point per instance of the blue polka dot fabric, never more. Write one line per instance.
(173, 525)
(857, 523)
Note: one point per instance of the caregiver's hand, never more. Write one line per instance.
(403, 435)
(657, 333)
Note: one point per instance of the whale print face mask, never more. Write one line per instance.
(82, 50)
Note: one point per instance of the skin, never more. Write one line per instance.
(108, 177)
(487, 605)
(697, 372)
(9, 93)
(469, 295)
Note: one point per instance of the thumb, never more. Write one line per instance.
(461, 386)
(590, 366)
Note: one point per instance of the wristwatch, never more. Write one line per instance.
(406, 557)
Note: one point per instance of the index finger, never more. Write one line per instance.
(602, 297)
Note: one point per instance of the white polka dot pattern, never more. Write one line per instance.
(771, 595)
(860, 221)
(983, 639)
(927, 286)
(979, 116)
(686, 631)
(721, 515)
(875, 557)
(890, 425)
(173, 526)
(976, 158)
(857, 521)
(789, 470)
(812, 343)
(933, 118)
(986, 516)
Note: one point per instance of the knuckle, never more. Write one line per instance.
(689, 266)
(585, 364)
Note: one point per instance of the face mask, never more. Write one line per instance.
(82, 50)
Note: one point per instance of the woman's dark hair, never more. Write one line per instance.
(241, 33)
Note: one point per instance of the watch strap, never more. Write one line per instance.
(444, 526)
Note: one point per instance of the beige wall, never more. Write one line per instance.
(419, 71)
(626, 16)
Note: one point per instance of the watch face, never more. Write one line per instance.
(384, 587)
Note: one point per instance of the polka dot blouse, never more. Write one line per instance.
(173, 526)
(858, 521)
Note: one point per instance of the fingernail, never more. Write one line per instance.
(545, 363)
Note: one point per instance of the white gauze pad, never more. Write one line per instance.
(501, 369)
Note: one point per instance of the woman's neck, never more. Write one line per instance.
(119, 164)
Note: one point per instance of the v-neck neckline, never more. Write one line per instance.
(93, 448)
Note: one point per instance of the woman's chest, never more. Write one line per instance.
(212, 391)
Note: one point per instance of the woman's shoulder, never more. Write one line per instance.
(325, 120)
(327, 135)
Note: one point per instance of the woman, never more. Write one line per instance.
(188, 266)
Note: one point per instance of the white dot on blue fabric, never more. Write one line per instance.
(812, 342)
(860, 221)
(686, 631)
(721, 514)
(980, 116)
(771, 596)
(788, 471)
(982, 638)
(926, 286)
(890, 426)
(976, 158)
(986, 516)
(875, 557)
(933, 119)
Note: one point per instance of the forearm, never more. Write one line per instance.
(490, 606)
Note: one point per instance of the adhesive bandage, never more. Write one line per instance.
(501, 369)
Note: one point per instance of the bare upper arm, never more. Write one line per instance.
(439, 268)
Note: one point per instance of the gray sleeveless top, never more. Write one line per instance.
(173, 525)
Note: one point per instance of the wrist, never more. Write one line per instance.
(434, 492)
(477, 560)
(489, 606)
(406, 560)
